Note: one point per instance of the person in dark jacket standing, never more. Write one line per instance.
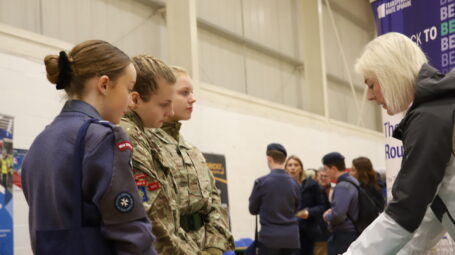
(422, 207)
(97, 78)
(345, 204)
(275, 197)
(362, 170)
(313, 202)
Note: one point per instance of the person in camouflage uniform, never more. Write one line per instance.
(152, 99)
(202, 216)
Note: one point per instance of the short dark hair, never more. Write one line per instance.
(277, 156)
(340, 165)
(334, 159)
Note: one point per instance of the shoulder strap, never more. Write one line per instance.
(358, 195)
(256, 239)
(353, 183)
(79, 150)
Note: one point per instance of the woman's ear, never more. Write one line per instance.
(103, 84)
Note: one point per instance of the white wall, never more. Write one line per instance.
(26, 95)
(268, 22)
(137, 27)
(130, 25)
(277, 24)
(230, 64)
(355, 27)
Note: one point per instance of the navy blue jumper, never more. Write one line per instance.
(109, 194)
(275, 197)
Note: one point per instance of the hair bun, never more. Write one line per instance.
(58, 69)
(52, 69)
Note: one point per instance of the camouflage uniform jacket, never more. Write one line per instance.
(157, 189)
(197, 192)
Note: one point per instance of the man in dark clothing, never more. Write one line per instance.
(275, 197)
(345, 205)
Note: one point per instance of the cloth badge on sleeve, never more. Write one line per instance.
(124, 202)
(140, 176)
(142, 183)
(143, 193)
(125, 145)
(154, 186)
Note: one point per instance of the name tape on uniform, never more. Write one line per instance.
(141, 183)
(140, 176)
(154, 186)
(125, 145)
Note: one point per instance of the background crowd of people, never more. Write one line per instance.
(326, 209)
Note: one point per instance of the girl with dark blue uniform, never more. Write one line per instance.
(77, 175)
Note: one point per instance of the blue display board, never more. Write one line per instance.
(6, 185)
(429, 23)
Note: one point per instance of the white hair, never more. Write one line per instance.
(394, 61)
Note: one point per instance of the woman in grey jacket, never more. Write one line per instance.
(398, 78)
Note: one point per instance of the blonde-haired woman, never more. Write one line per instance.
(313, 229)
(422, 209)
(202, 217)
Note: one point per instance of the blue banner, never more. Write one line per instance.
(429, 23)
(6, 185)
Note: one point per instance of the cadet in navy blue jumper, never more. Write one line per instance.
(345, 205)
(275, 197)
(110, 201)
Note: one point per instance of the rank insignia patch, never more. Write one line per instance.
(124, 202)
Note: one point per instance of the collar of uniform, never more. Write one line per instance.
(82, 107)
(134, 117)
(172, 129)
(278, 171)
(165, 137)
(343, 177)
(168, 139)
(162, 135)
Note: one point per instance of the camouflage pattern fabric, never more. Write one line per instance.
(157, 189)
(196, 192)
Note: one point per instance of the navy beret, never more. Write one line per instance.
(277, 147)
(332, 158)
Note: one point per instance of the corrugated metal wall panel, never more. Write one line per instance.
(132, 26)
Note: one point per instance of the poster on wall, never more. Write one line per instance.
(18, 157)
(217, 164)
(6, 184)
(430, 24)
